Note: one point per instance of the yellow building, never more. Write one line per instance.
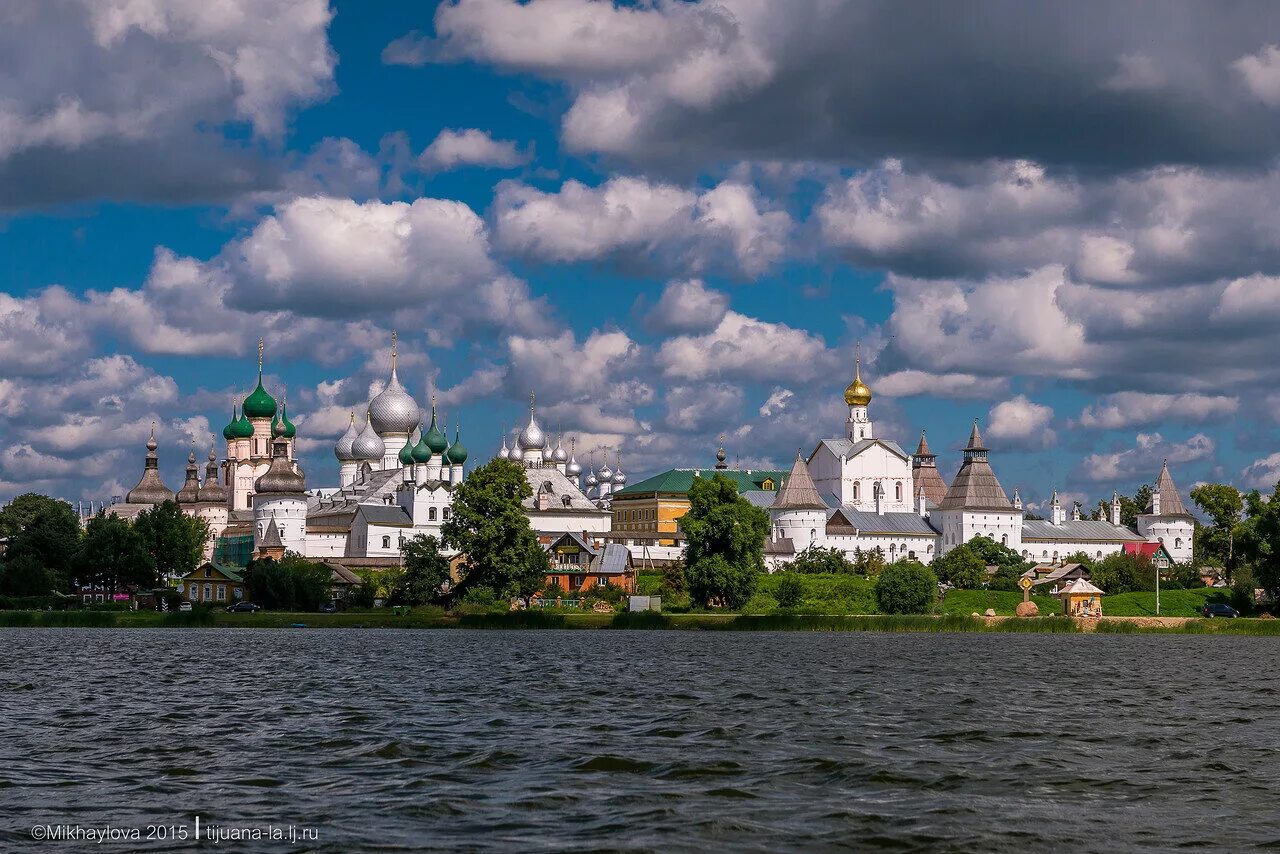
(655, 505)
(1081, 599)
(215, 583)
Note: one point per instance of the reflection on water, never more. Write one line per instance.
(465, 740)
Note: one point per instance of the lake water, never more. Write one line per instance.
(638, 741)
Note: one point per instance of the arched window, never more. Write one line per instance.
(448, 512)
(902, 547)
(1004, 539)
(1177, 544)
(1024, 554)
(857, 492)
(813, 533)
(897, 492)
(386, 542)
(1099, 554)
(431, 514)
(1044, 554)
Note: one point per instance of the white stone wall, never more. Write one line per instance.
(1175, 533)
(1042, 551)
(291, 520)
(852, 480)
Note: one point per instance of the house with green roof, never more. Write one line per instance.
(655, 504)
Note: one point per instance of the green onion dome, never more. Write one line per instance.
(406, 454)
(259, 404)
(435, 440)
(244, 430)
(229, 432)
(421, 451)
(457, 451)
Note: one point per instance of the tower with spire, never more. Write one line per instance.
(924, 472)
(976, 503)
(1166, 519)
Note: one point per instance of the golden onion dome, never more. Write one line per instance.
(857, 393)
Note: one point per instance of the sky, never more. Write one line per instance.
(669, 220)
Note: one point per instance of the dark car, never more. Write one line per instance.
(244, 608)
(328, 608)
(1218, 609)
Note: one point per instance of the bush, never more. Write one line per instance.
(816, 559)
(906, 587)
(789, 591)
(714, 581)
(961, 567)
(483, 596)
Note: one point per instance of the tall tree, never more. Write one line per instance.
(425, 572)
(24, 576)
(50, 535)
(174, 540)
(490, 528)
(112, 554)
(1224, 505)
(19, 512)
(724, 549)
(1264, 537)
(961, 567)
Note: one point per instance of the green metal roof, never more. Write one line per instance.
(679, 481)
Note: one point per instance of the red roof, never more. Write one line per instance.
(1148, 549)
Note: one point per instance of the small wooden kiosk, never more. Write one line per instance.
(1081, 599)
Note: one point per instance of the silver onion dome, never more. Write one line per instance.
(504, 453)
(368, 445)
(591, 478)
(531, 437)
(342, 450)
(619, 478)
(574, 468)
(393, 410)
(559, 455)
(606, 473)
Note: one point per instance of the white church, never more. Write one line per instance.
(858, 492)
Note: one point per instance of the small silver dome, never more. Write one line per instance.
(559, 455)
(504, 453)
(393, 410)
(368, 445)
(591, 478)
(342, 450)
(573, 469)
(531, 437)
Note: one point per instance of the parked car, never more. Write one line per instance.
(328, 608)
(243, 608)
(185, 606)
(1218, 609)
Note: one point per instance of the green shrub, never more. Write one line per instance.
(641, 620)
(789, 591)
(906, 587)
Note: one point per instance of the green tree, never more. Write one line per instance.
(1124, 573)
(1130, 508)
(724, 547)
(961, 567)
(1223, 504)
(112, 554)
(425, 572)
(906, 587)
(674, 582)
(489, 527)
(174, 540)
(292, 583)
(870, 562)
(790, 590)
(19, 512)
(817, 559)
(50, 535)
(25, 576)
(1264, 541)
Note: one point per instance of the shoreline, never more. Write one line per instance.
(650, 621)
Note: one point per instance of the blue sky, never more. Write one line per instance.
(669, 220)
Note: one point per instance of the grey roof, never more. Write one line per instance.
(930, 479)
(581, 542)
(780, 546)
(1170, 502)
(866, 522)
(386, 515)
(560, 486)
(1086, 530)
(271, 539)
(1067, 570)
(761, 498)
(613, 560)
(975, 488)
(798, 491)
(284, 477)
(849, 448)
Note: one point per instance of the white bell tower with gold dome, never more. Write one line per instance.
(858, 395)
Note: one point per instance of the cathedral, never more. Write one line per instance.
(859, 492)
(396, 472)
